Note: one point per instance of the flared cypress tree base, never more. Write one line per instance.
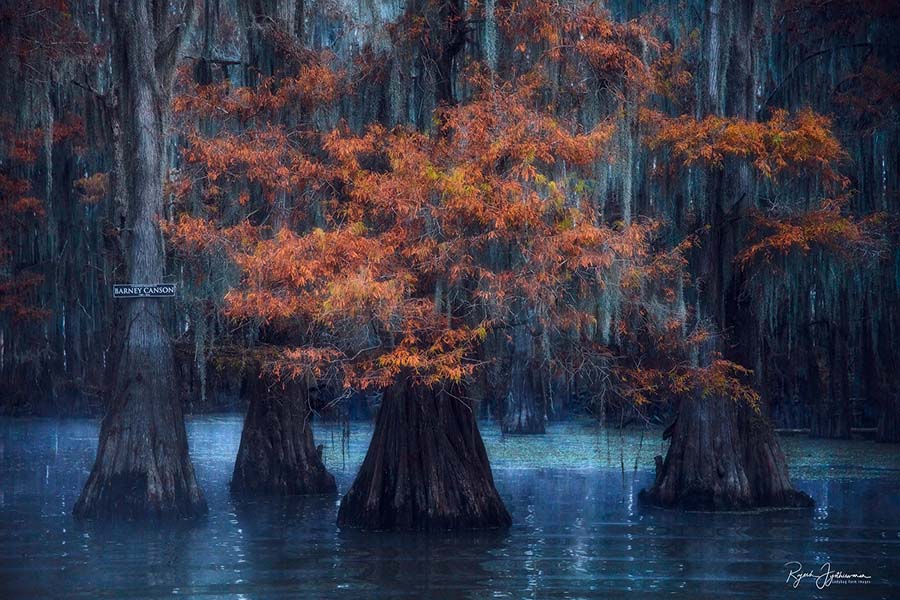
(723, 457)
(426, 468)
(143, 469)
(277, 455)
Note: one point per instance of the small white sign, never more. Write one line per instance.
(144, 290)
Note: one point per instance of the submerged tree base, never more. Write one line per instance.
(426, 468)
(523, 422)
(532, 429)
(277, 455)
(723, 457)
(142, 469)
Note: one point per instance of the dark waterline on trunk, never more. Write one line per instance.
(578, 531)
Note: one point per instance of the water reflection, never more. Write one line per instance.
(578, 532)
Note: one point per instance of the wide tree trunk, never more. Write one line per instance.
(277, 453)
(723, 456)
(426, 468)
(142, 466)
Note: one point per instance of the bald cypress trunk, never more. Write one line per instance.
(142, 466)
(277, 454)
(426, 468)
(828, 348)
(723, 455)
(523, 407)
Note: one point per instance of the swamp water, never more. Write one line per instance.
(578, 530)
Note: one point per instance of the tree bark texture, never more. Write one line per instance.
(142, 467)
(723, 456)
(426, 468)
(277, 455)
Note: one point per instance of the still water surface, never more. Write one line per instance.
(578, 532)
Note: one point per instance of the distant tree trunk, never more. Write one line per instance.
(830, 411)
(277, 453)
(882, 381)
(889, 419)
(451, 42)
(723, 455)
(524, 407)
(142, 466)
(426, 468)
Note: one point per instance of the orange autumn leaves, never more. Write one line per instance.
(397, 251)
(314, 84)
(405, 278)
(785, 147)
(827, 226)
(720, 378)
(784, 144)
(17, 288)
(263, 156)
(241, 137)
(22, 208)
(624, 59)
(403, 275)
